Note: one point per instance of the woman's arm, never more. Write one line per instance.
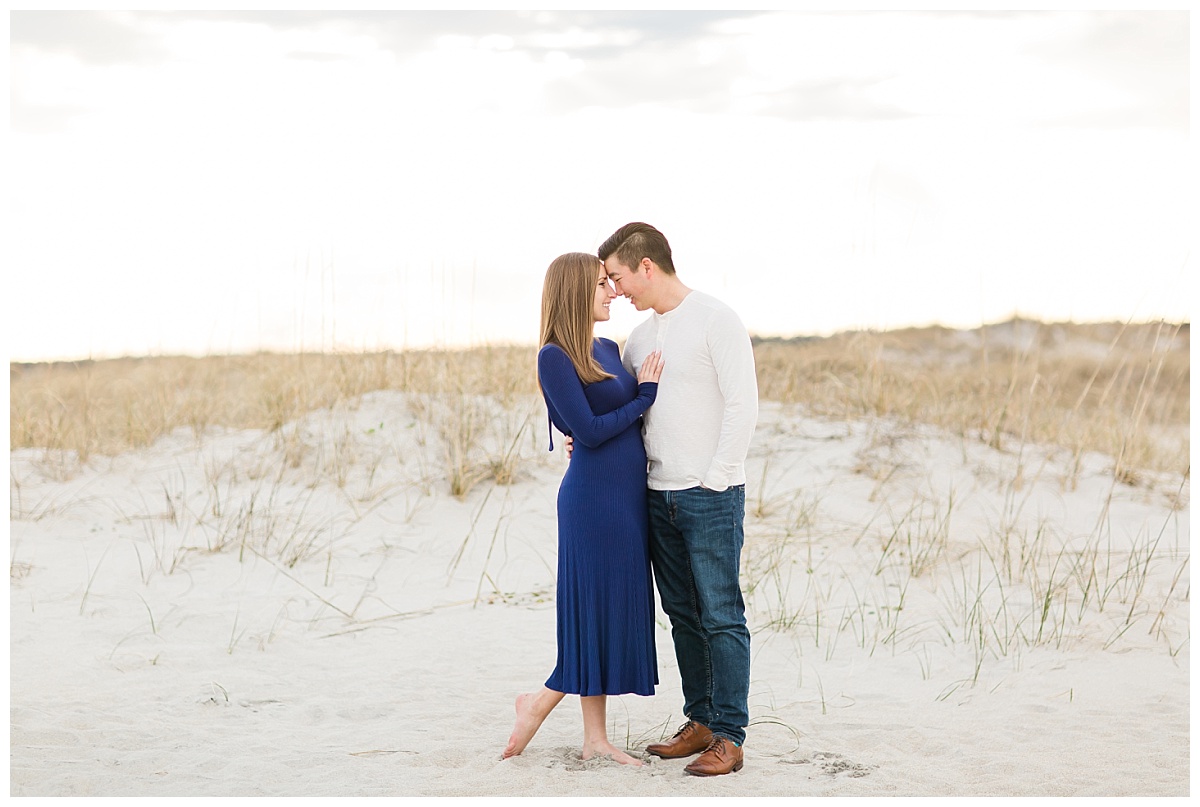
(565, 393)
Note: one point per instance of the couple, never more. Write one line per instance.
(685, 515)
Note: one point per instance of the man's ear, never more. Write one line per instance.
(647, 264)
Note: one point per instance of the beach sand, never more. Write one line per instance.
(311, 613)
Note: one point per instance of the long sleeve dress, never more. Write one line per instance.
(604, 600)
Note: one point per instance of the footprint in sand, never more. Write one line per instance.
(832, 764)
(569, 759)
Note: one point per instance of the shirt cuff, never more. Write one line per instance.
(716, 479)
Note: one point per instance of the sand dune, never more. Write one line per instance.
(311, 613)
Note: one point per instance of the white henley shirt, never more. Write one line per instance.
(698, 430)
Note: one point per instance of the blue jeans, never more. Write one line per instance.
(696, 538)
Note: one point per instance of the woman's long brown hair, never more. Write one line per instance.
(567, 321)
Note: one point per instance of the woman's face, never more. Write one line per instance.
(604, 295)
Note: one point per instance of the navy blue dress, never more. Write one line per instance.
(604, 600)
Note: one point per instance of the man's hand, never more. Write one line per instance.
(569, 442)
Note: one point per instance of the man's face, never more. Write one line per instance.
(633, 285)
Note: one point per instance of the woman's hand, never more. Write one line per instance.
(652, 368)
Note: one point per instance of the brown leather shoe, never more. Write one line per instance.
(692, 738)
(722, 756)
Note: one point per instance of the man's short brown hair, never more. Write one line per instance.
(635, 241)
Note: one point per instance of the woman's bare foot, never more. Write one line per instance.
(531, 711)
(607, 749)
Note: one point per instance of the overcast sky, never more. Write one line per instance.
(227, 181)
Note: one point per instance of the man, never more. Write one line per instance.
(696, 434)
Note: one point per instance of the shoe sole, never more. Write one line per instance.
(674, 756)
(736, 767)
(664, 755)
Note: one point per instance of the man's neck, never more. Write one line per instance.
(672, 296)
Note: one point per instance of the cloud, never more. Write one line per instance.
(627, 57)
(835, 99)
(408, 31)
(42, 118)
(648, 28)
(1143, 56)
(680, 60)
(680, 82)
(316, 56)
(620, 58)
(94, 37)
(817, 67)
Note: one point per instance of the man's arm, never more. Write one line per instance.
(733, 359)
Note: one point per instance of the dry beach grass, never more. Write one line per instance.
(1116, 388)
(957, 541)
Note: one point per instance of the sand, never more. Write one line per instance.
(313, 614)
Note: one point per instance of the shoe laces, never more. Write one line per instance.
(717, 745)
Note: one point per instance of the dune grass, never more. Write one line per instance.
(1122, 390)
(907, 579)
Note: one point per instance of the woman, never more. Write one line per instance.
(605, 605)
